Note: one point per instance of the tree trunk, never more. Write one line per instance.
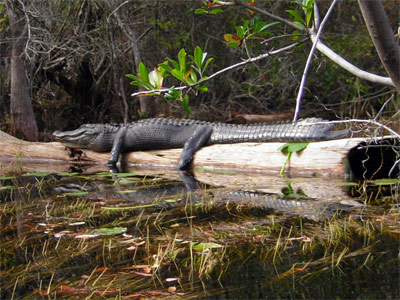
(23, 123)
(383, 37)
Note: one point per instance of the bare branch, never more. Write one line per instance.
(349, 66)
(308, 63)
(272, 16)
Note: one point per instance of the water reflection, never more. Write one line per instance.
(221, 236)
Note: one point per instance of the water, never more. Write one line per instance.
(147, 233)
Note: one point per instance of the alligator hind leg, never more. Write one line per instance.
(198, 139)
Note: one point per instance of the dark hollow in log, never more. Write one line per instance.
(374, 159)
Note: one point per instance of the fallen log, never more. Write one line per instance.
(335, 158)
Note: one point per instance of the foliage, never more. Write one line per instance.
(307, 7)
(190, 73)
(289, 149)
(3, 17)
(251, 29)
(208, 7)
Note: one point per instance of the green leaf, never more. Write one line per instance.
(37, 174)
(143, 73)
(240, 31)
(206, 64)
(75, 194)
(268, 25)
(293, 147)
(200, 11)
(109, 231)
(193, 77)
(386, 181)
(182, 60)
(296, 16)
(165, 66)
(233, 41)
(198, 56)
(178, 74)
(204, 246)
(185, 102)
(7, 177)
(6, 187)
(216, 11)
(173, 94)
(289, 149)
(202, 88)
(174, 63)
(130, 207)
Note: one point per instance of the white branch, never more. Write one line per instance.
(308, 63)
(349, 66)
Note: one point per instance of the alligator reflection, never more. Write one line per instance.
(173, 195)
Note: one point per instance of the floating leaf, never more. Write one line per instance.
(6, 187)
(75, 194)
(386, 181)
(130, 207)
(65, 174)
(37, 174)
(109, 231)
(7, 177)
(201, 247)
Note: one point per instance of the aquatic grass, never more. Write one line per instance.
(165, 238)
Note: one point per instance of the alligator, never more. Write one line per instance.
(191, 135)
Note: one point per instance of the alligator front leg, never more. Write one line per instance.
(197, 140)
(117, 146)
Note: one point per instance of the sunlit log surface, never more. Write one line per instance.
(319, 159)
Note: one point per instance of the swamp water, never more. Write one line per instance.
(226, 236)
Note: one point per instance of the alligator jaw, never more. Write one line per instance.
(78, 138)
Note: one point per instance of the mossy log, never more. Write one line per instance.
(320, 159)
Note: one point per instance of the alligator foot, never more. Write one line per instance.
(112, 166)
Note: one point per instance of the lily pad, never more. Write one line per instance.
(386, 181)
(109, 231)
(201, 247)
(75, 194)
(36, 174)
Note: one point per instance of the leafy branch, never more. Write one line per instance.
(232, 67)
(188, 72)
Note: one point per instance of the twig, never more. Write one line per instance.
(308, 63)
(373, 122)
(383, 107)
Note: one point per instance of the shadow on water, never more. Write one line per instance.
(131, 235)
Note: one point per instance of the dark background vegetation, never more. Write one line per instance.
(75, 73)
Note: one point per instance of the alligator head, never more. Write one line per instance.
(89, 136)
